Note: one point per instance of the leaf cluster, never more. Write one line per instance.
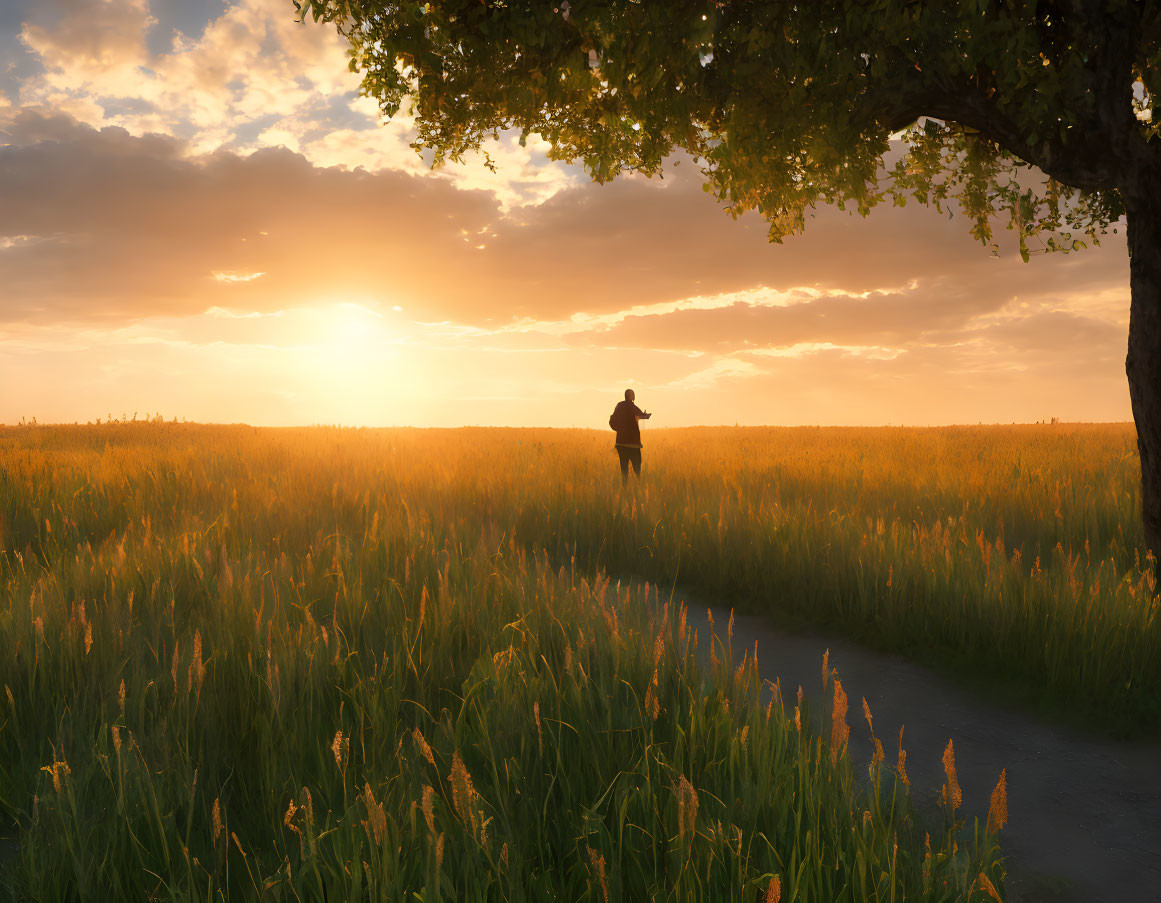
(788, 105)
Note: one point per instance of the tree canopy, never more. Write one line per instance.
(788, 105)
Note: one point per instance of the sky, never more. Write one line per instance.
(201, 218)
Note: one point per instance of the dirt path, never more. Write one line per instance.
(1084, 813)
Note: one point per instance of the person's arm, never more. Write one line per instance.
(639, 414)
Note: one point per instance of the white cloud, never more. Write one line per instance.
(802, 349)
(230, 278)
(721, 370)
(255, 78)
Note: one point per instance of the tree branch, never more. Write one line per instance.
(1082, 163)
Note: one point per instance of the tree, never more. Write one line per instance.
(787, 104)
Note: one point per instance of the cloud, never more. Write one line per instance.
(232, 278)
(101, 223)
(253, 78)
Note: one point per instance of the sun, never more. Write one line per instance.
(356, 329)
(357, 362)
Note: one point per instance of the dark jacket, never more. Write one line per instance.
(624, 421)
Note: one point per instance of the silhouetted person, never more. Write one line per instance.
(624, 421)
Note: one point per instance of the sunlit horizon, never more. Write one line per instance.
(238, 237)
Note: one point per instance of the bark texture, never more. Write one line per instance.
(1143, 363)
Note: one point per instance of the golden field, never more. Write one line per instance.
(388, 664)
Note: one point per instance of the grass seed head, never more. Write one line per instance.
(424, 749)
(309, 807)
(901, 765)
(428, 807)
(839, 731)
(686, 808)
(998, 808)
(985, 884)
(597, 861)
(950, 793)
(197, 671)
(463, 792)
(774, 890)
(59, 769)
(376, 817)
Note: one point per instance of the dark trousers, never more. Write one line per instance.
(629, 456)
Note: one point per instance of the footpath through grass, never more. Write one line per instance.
(305, 665)
(1008, 556)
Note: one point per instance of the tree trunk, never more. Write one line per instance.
(1143, 364)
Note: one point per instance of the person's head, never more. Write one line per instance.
(630, 395)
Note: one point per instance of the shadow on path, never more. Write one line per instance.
(1084, 813)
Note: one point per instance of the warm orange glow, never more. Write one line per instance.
(232, 262)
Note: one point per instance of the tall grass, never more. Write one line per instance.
(1011, 554)
(339, 665)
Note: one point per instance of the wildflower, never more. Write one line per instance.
(950, 793)
(998, 809)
